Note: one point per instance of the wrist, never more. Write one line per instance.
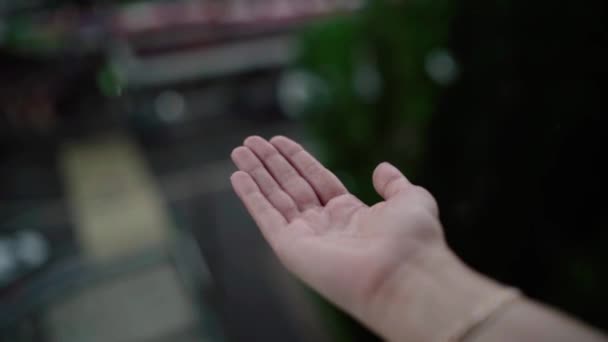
(424, 300)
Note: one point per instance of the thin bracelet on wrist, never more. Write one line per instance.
(482, 314)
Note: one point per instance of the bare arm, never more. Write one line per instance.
(440, 305)
(529, 321)
(387, 265)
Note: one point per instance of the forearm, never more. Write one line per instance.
(439, 301)
(528, 321)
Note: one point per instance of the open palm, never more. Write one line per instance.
(341, 247)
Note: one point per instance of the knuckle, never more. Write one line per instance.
(428, 199)
(392, 184)
(423, 225)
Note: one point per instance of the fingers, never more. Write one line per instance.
(325, 184)
(248, 162)
(389, 181)
(284, 173)
(267, 217)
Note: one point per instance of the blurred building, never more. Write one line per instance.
(117, 119)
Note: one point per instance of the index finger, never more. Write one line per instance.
(267, 217)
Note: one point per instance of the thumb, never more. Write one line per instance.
(389, 181)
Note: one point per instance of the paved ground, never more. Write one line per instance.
(254, 297)
(259, 301)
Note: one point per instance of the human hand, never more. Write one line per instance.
(344, 249)
(388, 264)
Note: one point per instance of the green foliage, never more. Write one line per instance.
(380, 97)
(23, 37)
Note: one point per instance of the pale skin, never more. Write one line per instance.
(388, 264)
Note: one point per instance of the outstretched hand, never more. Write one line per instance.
(344, 249)
(387, 264)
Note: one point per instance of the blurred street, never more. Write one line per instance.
(117, 219)
(191, 177)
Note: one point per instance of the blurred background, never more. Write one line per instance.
(117, 118)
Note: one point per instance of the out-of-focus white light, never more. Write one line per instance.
(442, 67)
(170, 106)
(31, 248)
(298, 90)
